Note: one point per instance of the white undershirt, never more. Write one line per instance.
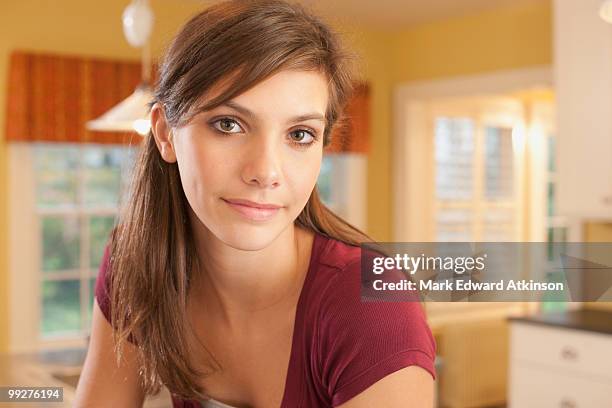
(211, 403)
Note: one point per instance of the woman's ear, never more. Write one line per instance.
(162, 133)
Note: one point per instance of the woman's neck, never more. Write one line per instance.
(241, 290)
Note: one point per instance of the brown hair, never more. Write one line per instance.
(153, 253)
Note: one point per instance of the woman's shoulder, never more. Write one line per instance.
(343, 304)
(359, 341)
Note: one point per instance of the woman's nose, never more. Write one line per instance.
(262, 166)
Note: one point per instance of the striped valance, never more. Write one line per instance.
(51, 97)
(354, 135)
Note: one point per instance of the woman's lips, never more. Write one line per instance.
(253, 213)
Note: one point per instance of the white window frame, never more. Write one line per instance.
(483, 111)
(411, 137)
(413, 167)
(25, 249)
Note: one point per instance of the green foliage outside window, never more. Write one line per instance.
(78, 189)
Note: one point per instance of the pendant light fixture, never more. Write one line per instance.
(132, 114)
(605, 11)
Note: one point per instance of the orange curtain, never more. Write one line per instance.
(51, 97)
(353, 134)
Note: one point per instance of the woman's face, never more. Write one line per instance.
(264, 146)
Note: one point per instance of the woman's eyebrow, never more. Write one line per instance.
(246, 112)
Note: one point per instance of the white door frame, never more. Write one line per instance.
(409, 133)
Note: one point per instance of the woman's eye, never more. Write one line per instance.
(303, 137)
(227, 125)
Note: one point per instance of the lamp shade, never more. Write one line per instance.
(605, 11)
(131, 114)
(137, 22)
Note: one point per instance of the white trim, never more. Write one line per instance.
(484, 112)
(542, 124)
(70, 209)
(409, 134)
(25, 269)
(24, 250)
(412, 197)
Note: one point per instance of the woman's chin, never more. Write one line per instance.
(248, 237)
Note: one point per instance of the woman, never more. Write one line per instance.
(229, 281)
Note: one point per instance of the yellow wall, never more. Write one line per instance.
(508, 38)
(494, 40)
(374, 64)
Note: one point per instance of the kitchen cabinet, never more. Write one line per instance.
(561, 360)
(474, 355)
(583, 86)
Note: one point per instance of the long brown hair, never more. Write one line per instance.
(153, 255)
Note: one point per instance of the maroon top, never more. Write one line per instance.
(341, 346)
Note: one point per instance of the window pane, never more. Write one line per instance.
(99, 230)
(550, 198)
(103, 174)
(61, 306)
(551, 153)
(127, 167)
(92, 287)
(454, 154)
(555, 235)
(324, 181)
(499, 225)
(56, 174)
(454, 225)
(499, 177)
(60, 243)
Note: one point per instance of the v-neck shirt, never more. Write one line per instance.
(340, 345)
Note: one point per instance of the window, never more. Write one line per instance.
(63, 203)
(342, 186)
(78, 189)
(497, 100)
(556, 230)
(454, 157)
(477, 156)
